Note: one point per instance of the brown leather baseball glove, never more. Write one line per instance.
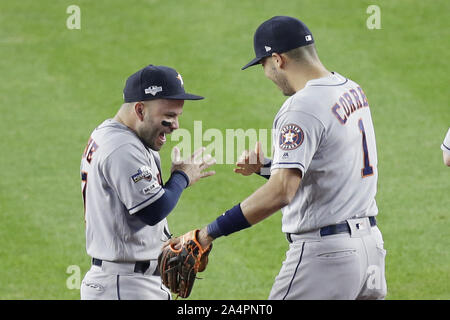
(180, 260)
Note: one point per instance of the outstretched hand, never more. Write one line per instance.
(194, 165)
(250, 161)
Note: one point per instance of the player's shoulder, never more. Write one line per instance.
(319, 92)
(112, 136)
(316, 97)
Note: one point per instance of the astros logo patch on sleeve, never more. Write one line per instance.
(291, 137)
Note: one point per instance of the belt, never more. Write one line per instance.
(336, 229)
(341, 228)
(139, 266)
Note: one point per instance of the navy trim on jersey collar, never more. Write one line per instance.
(329, 85)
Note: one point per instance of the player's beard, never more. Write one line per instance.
(281, 81)
(152, 136)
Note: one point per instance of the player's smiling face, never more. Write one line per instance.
(160, 118)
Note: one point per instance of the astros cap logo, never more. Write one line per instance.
(181, 79)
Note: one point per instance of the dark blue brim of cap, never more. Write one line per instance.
(252, 63)
(183, 96)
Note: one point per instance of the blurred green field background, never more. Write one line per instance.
(58, 84)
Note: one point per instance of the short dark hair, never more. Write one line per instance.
(303, 54)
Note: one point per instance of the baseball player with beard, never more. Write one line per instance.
(323, 175)
(125, 200)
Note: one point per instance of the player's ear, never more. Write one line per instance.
(278, 59)
(139, 110)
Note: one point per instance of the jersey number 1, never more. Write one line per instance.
(368, 169)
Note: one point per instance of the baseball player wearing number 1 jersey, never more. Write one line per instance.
(125, 200)
(323, 175)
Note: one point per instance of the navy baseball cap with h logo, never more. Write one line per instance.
(279, 34)
(156, 82)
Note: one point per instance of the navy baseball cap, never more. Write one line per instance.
(279, 34)
(156, 82)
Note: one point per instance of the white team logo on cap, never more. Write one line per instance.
(181, 79)
(153, 90)
(308, 37)
(267, 48)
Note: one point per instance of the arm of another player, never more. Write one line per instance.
(254, 162)
(278, 192)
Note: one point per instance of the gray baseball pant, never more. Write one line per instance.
(119, 281)
(334, 267)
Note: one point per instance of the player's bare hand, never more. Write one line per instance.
(250, 161)
(194, 166)
(176, 243)
(204, 238)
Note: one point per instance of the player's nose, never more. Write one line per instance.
(174, 125)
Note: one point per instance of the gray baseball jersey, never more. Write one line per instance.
(325, 130)
(120, 176)
(445, 146)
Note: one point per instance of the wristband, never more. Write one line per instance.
(231, 221)
(184, 175)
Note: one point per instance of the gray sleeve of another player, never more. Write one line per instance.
(445, 146)
(132, 174)
(296, 138)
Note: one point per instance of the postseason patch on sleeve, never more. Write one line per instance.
(291, 137)
(144, 172)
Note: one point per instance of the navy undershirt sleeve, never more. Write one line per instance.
(158, 210)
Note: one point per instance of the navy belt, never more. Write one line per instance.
(341, 228)
(336, 229)
(139, 267)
